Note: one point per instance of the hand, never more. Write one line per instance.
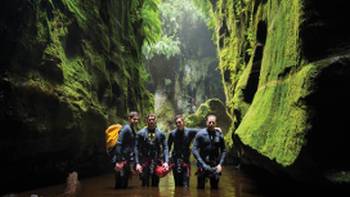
(218, 168)
(219, 129)
(166, 166)
(206, 167)
(139, 168)
(119, 166)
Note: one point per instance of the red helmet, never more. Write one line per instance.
(161, 171)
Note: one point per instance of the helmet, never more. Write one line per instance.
(161, 171)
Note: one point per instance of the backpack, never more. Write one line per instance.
(111, 135)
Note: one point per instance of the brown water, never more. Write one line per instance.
(246, 182)
(233, 183)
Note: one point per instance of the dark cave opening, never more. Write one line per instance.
(227, 76)
(262, 32)
(253, 80)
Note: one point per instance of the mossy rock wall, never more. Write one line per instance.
(68, 70)
(283, 64)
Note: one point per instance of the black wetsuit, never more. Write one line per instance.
(180, 155)
(209, 150)
(150, 149)
(124, 151)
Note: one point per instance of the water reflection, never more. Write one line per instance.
(233, 183)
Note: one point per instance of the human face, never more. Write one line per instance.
(151, 122)
(211, 123)
(134, 120)
(180, 125)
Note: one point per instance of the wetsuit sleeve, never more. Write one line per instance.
(165, 149)
(136, 148)
(170, 141)
(222, 150)
(119, 147)
(113, 155)
(195, 151)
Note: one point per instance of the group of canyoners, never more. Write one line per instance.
(146, 152)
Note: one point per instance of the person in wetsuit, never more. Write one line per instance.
(151, 150)
(181, 138)
(209, 150)
(123, 153)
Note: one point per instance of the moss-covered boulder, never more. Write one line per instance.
(284, 65)
(68, 69)
(212, 106)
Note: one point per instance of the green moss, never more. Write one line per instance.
(212, 106)
(282, 44)
(198, 118)
(73, 68)
(85, 58)
(75, 8)
(275, 123)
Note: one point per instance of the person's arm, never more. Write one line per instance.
(195, 152)
(223, 150)
(170, 141)
(119, 145)
(113, 155)
(136, 148)
(222, 154)
(165, 148)
(136, 152)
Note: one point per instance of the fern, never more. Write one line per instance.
(166, 46)
(162, 22)
(152, 25)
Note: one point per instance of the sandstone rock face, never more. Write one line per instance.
(67, 70)
(285, 66)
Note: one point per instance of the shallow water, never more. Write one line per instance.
(244, 182)
(233, 183)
